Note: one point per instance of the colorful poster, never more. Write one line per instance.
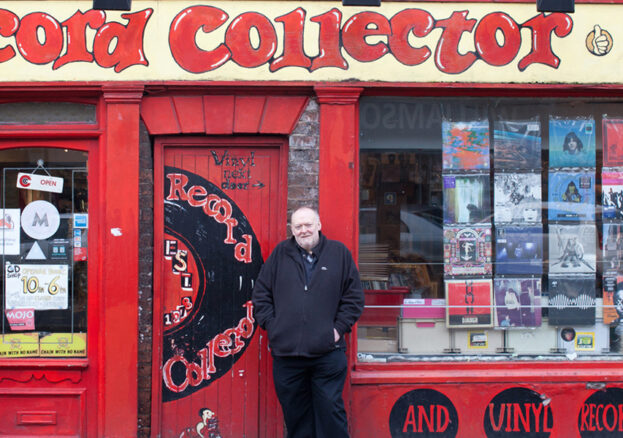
(572, 249)
(612, 247)
(466, 199)
(465, 145)
(613, 142)
(571, 300)
(612, 287)
(517, 197)
(39, 287)
(517, 144)
(470, 303)
(571, 196)
(572, 142)
(612, 195)
(519, 250)
(517, 302)
(467, 250)
(9, 231)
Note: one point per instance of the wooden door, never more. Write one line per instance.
(221, 210)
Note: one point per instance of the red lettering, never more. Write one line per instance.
(177, 181)
(9, 23)
(358, 28)
(128, 50)
(486, 43)
(584, 416)
(447, 56)
(591, 416)
(520, 417)
(546, 426)
(242, 251)
(238, 39)
(410, 420)
(167, 375)
(28, 42)
(509, 411)
(207, 360)
(293, 31)
(537, 416)
(76, 41)
(182, 43)
(620, 429)
(193, 374)
(542, 27)
(610, 428)
(221, 344)
(195, 191)
(423, 417)
(329, 41)
(598, 422)
(498, 426)
(415, 21)
(446, 415)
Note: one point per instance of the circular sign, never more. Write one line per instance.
(601, 415)
(518, 412)
(40, 220)
(24, 180)
(423, 413)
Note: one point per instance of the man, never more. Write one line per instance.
(307, 297)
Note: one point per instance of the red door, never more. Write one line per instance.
(219, 212)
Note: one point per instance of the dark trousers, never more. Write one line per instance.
(310, 393)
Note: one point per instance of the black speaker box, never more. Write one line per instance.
(555, 5)
(112, 5)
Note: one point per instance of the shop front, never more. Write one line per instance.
(469, 154)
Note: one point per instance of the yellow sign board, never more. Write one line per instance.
(19, 345)
(64, 345)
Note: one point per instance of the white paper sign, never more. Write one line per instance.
(40, 219)
(9, 231)
(39, 287)
(44, 183)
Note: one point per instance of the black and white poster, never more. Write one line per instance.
(572, 249)
(571, 300)
(517, 197)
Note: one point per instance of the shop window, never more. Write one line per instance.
(491, 229)
(43, 242)
(46, 113)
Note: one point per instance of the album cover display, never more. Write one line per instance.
(572, 142)
(571, 196)
(517, 144)
(466, 199)
(612, 195)
(612, 247)
(571, 300)
(470, 303)
(613, 142)
(572, 249)
(517, 197)
(519, 250)
(465, 145)
(611, 313)
(517, 302)
(467, 250)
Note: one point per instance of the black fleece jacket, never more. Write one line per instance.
(300, 317)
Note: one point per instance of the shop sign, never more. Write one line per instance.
(423, 413)
(41, 287)
(21, 319)
(518, 412)
(10, 231)
(601, 415)
(63, 345)
(19, 345)
(40, 219)
(44, 183)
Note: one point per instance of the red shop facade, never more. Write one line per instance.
(470, 155)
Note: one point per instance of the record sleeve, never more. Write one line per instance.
(470, 303)
(611, 284)
(613, 142)
(572, 249)
(517, 144)
(572, 142)
(517, 197)
(612, 248)
(467, 250)
(519, 250)
(571, 300)
(466, 199)
(465, 145)
(517, 302)
(571, 196)
(612, 195)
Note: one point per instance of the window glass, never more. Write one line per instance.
(43, 242)
(42, 113)
(491, 228)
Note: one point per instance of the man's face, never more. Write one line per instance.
(305, 228)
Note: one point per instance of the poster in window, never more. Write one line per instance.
(613, 142)
(465, 145)
(10, 231)
(571, 300)
(611, 313)
(517, 144)
(572, 142)
(39, 287)
(517, 197)
(517, 302)
(467, 250)
(466, 199)
(470, 303)
(519, 250)
(612, 247)
(572, 249)
(612, 195)
(571, 196)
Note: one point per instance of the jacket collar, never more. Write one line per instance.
(293, 248)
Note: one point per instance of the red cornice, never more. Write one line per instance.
(333, 95)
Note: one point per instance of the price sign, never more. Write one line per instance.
(39, 287)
